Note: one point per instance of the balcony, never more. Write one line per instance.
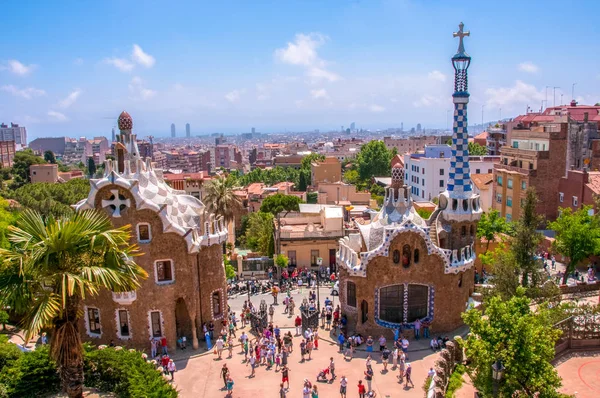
(315, 234)
(124, 298)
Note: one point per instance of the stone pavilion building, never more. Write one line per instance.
(181, 246)
(401, 267)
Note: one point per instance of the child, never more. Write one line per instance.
(361, 389)
(277, 361)
(229, 386)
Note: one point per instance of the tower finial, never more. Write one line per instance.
(460, 34)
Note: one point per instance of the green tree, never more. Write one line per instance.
(7, 217)
(506, 272)
(52, 265)
(259, 233)
(281, 261)
(5, 173)
(3, 319)
(229, 268)
(277, 204)
(523, 340)
(526, 239)
(312, 197)
(49, 157)
(304, 180)
(577, 236)
(490, 225)
(477, 150)
(374, 160)
(309, 159)
(220, 198)
(51, 199)
(351, 177)
(21, 164)
(91, 167)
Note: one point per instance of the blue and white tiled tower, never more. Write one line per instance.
(459, 202)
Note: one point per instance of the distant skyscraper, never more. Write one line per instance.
(418, 127)
(113, 135)
(253, 130)
(352, 126)
(188, 131)
(402, 126)
(172, 129)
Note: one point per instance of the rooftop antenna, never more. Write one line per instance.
(554, 95)
(547, 87)
(573, 91)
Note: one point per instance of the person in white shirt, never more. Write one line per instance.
(220, 344)
(431, 372)
(171, 368)
(405, 347)
(343, 386)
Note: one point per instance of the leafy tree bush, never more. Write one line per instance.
(3, 319)
(31, 375)
(51, 199)
(125, 373)
(281, 261)
(259, 233)
(49, 157)
(374, 160)
(9, 353)
(521, 338)
(7, 217)
(424, 213)
(21, 163)
(455, 381)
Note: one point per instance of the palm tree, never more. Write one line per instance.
(52, 266)
(221, 199)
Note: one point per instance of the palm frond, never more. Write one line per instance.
(44, 309)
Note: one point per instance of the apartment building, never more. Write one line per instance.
(426, 173)
(410, 144)
(7, 153)
(15, 133)
(328, 170)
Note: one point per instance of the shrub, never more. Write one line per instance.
(31, 374)
(8, 353)
(125, 373)
(456, 381)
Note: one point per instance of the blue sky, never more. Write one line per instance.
(67, 67)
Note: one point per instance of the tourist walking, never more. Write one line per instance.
(343, 386)
(224, 374)
(315, 392)
(285, 376)
(298, 324)
(407, 376)
(219, 346)
(282, 391)
(229, 386)
(369, 377)
(171, 368)
(332, 368)
(252, 363)
(385, 356)
(417, 329)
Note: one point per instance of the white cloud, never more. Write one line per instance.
(528, 67)
(120, 63)
(139, 91)
(319, 93)
(376, 108)
(18, 68)
(139, 56)
(26, 93)
(510, 97)
(234, 96)
(70, 99)
(436, 75)
(57, 116)
(425, 101)
(303, 52)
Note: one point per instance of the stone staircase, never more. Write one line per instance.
(433, 228)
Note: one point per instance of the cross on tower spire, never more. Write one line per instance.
(460, 34)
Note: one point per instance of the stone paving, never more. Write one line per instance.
(581, 375)
(199, 376)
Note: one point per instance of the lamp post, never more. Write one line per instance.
(497, 374)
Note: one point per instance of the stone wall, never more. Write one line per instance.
(450, 356)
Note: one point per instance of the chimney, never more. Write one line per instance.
(573, 103)
(585, 117)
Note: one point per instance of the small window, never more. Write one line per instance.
(144, 234)
(314, 255)
(477, 171)
(416, 256)
(508, 217)
(499, 181)
(164, 271)
(498, 198)
(423, 170)
(94, 320)
(441, 183)
(509, 183)
(155, 324)
(465, 204)
(123, 323)
(523, 185)
(472, 230)
(490, 171)
(463, 231)
(441, 172)
(216, 304)
(351, 294)
(561, 197)
(406, 252)
(396, 256)
(509, 201)
(575, 201)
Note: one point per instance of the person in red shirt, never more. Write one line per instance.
(361, 389)
(164, 363)
(298, 324)
(163, 343)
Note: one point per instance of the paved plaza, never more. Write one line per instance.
(581, 375)
(200, 376)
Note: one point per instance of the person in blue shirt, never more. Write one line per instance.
(341, 340)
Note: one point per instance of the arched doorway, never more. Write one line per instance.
(183, 322)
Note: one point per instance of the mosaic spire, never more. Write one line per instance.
(459, 180)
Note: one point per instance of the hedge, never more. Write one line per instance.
(123, 372)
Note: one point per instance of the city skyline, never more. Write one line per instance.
(299, 67)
